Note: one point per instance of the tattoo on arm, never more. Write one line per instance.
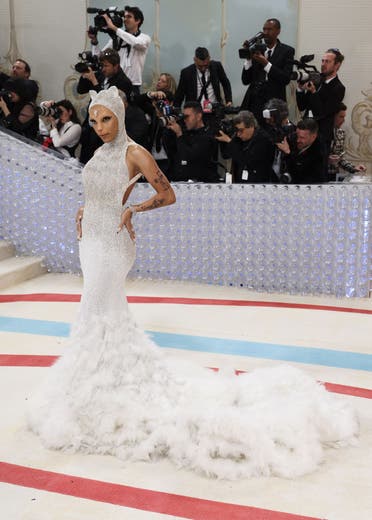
(161, 180)
(153, 205)
(161, 198)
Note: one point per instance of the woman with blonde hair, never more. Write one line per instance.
(166, 83)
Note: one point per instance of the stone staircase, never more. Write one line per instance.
(17, 269)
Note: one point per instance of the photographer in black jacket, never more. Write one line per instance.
(158, 106)
(195, 154)
(109, 75)
(18, 112)
(322, 101)
(278, 126)
(306, 157)
(250, 149)
(267, 73)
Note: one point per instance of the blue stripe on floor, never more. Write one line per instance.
(38, 327)
(308, 355)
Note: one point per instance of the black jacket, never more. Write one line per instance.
(196, 156)
(324, 104)
(137, 125)
(28, 129)
(261, 89)
(187, 86)
(254, 157)
(307, 167)
(31, 85)
(119, 80)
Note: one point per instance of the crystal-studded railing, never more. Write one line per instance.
(289, 239)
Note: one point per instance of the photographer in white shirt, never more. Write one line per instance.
(65, 128)
(133, 44)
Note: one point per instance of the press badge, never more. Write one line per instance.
(245, 175)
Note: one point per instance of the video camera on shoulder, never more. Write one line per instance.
(100, 23)
(254, 44)
(305, 72)
(88, 60)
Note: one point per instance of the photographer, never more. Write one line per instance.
(195, 153)
(65, 126)
(109, 75)
(158, 107)
(250, 149)
(21, 70)
(306, 156)
(131, 44)
(267, 72)
(166, 83)
(323, 102)
(17, 109)
(278, 126)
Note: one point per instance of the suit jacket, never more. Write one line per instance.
(187, 87)
(254, 156)
(324, 104)
(261, 89)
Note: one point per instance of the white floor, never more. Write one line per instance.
(341, 489)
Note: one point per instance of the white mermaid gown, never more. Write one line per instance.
(114, 392)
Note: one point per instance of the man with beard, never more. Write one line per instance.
(323, 102)
(21, 70)
(268, 73)
(305, 156)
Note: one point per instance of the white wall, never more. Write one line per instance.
(49, 35)
(344, 24)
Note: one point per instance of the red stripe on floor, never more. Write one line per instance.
(349, 390)
(39, 297)
(14, 360)
(53, 297)
(137, 498)
(18, 360)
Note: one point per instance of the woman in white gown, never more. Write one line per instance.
(114, 392)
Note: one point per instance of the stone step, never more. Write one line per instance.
(6, 249)
(18, 269)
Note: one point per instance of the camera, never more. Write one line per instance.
(100, 23)
(275, 130)
(5, 94)
(168, 112)
(254, 44)
(88, 60)
(217, 120)
(45, 111)
(305, 72)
